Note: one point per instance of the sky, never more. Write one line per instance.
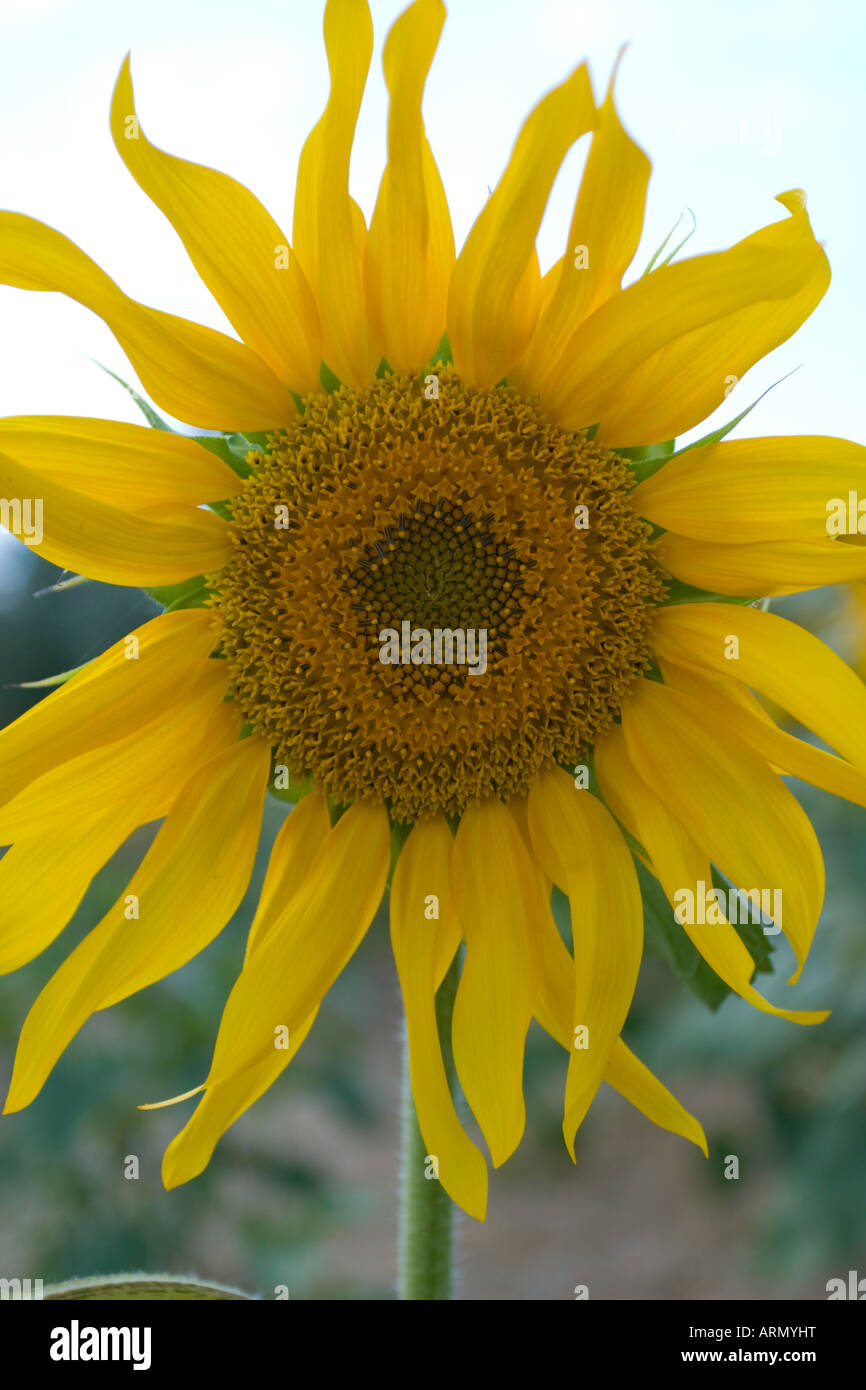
(734, 103)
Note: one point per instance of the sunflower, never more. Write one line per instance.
(405, 443)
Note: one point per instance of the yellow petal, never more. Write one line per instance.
(190, 1151)
(555, 1012)
(295, 847)
(628, 1075)
(772, 567)
(235, 245)
(424, 868)
(130, 467)
(774, 656)
(104, 542)
(195, 373)
(113, 696)
(732, 707)
(748, 490)
(602, 241)
(63, 865)
(583, 851)
(410, 248)
(679, 864)
(494, 888)
(308, 943)
(738, 812)
(494, 298)
(656, 359)
(64, 856)
(144, 760)
(329, 230)
(189, 884)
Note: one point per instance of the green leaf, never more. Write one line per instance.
(180, 1288)
(665, 937)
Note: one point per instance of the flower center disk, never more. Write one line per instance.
(382, 518)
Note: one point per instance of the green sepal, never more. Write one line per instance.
(327, 379)
(399, 835)
(151, 416)
(644, 460)
(298, 787)
(231, 449)
(680, 592)
(669, 257)
(715, 436)
(48, 681)
(190, 593)
(443, 354)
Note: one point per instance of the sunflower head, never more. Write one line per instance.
(437, 551)
(464, 513)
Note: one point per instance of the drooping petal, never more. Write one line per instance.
(679, 865)
(188, 885)
(105, 542)
(308, 942)
(656, 359)
(113, 696)
(554, 1010)
(195, 373)
(731, 706)
(494, 888)
(329, 230)
(131, 467)
(190, 1151)
(494, 297)
(293, 851)
(602, 240)
(583, 851)
(738, 812)
(239, 251)
(410, 247)
(776, 657)
(768, 568)
(424, 869)
(628, 1075)
(748, 490)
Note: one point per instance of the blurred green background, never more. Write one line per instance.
(301, 1192)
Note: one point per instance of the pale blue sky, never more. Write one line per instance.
(733, 102)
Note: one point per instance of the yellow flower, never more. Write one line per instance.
(493, 465)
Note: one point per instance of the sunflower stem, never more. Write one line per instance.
(426, 1210)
